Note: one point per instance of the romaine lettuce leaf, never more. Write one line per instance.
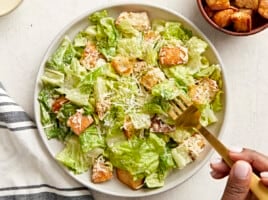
(207, 115)
(130, 47)
(91, 139)
(52, 77)
(181, 74)
(138, 156)
(73, 157)
(126, 29)
(106, 35)
(167, 89)
(75, 96)
(140, 120)
(62, 56)
(171, 30)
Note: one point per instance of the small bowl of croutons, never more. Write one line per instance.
(236, 17)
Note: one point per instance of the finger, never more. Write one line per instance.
(217, 175)
(256, 159)
(218, 165)
(264, 178)
(237, 187)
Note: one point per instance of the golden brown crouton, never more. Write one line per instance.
(58, 103)
(209, 12)
(90, 56)
(251, 4)
(78, 123)
(242, 21)
(152, 77)
(223, 18)
(101, 171)
(128, 127)
(204, 91)
(263, 8)
(140, 67)
(218, 4)
(122, 65)
(170, 56)
(126, 178)
(138, 20)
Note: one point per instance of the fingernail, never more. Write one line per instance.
(216, 160)
(213, 173)
(241, 170)
(264, 174)
(236, 149)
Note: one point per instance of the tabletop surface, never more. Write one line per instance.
(26, 33)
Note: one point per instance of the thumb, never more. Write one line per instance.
(237, 187)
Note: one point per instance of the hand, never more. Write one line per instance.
(246, 160)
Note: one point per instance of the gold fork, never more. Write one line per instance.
(190, 117)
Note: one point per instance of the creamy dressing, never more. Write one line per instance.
(7, 6)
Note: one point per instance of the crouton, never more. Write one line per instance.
(140, 67)
(223, 18)
(250, 4)
(122, 65)
(242, 21)
(139, 20)
(209, 12)
(126, 178)
(78, 122)
(58, 103)
(263, 8)
(128, 127)
(152, 77)
(101, 171)
(218, 4)
(90, 56)
(170, 56)
(204, 91)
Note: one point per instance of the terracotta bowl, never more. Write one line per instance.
(258, 23)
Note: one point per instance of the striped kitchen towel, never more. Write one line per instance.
(26, 169)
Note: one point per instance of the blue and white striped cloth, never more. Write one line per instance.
(27, 171)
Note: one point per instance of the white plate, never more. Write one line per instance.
(114, 187)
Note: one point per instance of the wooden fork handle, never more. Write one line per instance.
(256, 186)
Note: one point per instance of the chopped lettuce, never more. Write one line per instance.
(217, 104)
(73, 156)
(140, 120)
(168, 90)
(138, 156)
(181, 74)
(90, 139)
(127, 30)
(130, 47)
(181, 156)
(106, 35)
(75, 96)
(172, 30)
(207, 115)
(62, 56)
(52, 77)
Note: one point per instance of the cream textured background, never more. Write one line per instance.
(26, 33)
